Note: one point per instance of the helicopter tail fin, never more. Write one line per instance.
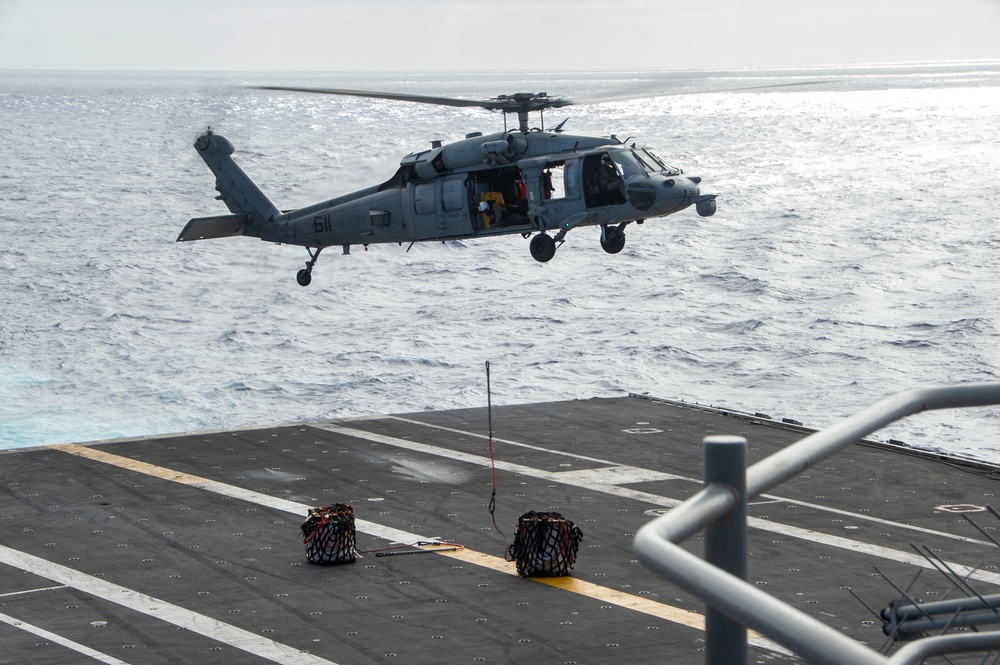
(223, 226)
(243, 198)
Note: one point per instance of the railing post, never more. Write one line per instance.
(726, 545)
(656, 543)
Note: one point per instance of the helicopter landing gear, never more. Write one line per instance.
(543, 248)
(613, 239)
(304, 276)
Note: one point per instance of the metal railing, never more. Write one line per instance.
(720, 579)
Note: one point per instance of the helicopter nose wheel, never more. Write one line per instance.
(613, 240)
(304, 276)
(543, 248)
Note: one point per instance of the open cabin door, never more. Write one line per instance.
(439, 208)
(504, 191)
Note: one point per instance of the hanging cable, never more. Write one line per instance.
(493, 464)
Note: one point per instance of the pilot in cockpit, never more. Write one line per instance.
(607, 176)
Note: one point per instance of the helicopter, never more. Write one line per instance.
(535, 182)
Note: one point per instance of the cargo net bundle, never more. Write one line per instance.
(328, 534)
(545, 545)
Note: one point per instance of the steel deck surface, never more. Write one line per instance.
(187, 548)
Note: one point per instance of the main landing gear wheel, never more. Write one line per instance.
(304, 276)
(613, 241)
(543, 248)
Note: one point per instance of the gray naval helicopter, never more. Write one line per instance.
(535, 182)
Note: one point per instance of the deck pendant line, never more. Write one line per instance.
(453, 548)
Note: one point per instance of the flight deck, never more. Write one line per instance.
(187, 548)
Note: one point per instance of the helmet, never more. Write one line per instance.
(484, 206)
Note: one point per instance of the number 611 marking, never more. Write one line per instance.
(322, 223)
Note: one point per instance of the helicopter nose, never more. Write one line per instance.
(676, 190)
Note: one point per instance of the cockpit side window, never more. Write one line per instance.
(627, 164)
(602, 181)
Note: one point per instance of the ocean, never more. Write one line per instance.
(855, 254)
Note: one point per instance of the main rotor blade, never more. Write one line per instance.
(516, 103)
(521, 102)
(398, 96)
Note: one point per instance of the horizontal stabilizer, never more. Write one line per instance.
(223, 226)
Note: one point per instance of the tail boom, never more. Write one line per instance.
(251, 208)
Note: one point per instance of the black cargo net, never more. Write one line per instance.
(545, 545)
(328, 534)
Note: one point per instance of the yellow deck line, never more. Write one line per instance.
(131, 464)
(605, 594)
(627, 600)
(589, 589)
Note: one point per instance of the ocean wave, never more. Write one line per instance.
(808, 294)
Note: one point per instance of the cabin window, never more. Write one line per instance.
(423, 198)
(559, 180)
(552, 181)
(569, 179)
(453, 194)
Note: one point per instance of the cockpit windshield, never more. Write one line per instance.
(641, 161)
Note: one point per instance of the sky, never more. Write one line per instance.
(505, 35)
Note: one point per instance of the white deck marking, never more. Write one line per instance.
(658, 500)
(519, 444)
(771, 498)
(59, 639)
(160, 609)
(618, 474)
(612, 596)
(19, 593)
